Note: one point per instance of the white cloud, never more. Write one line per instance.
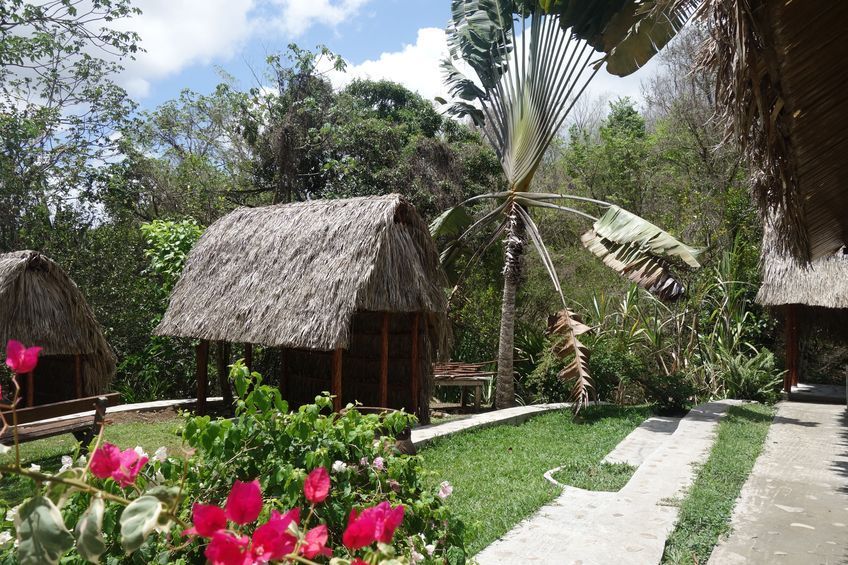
(415, 66)
(179, 33)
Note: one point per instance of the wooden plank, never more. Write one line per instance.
(30, 391)
(65, 408)
(202, 371)
(78, 375)
(248, 356)
(384, 363)
(791, 377)
(414, 360)
(336, 387)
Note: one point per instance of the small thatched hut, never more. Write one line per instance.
(808, 296)
(351, 292)
(40, 305)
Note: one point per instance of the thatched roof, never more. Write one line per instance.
(824, 282)
(781, 88)
(292, 275)
(40, 305)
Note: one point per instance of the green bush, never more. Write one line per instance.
(670, 393)
(543, 383)
(613, 366)
(751, 377)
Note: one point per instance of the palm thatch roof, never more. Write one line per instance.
(293, 275)
(781, 90)
(824, 282)
(40, 305)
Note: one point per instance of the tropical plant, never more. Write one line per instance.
(530, 70)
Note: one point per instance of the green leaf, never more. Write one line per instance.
(167, 494)
(89, 532)
(139, 520)
(451, 222)
(42, 535)
(59, 492)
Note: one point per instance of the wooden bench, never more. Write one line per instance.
(47, 420)
(463, 375)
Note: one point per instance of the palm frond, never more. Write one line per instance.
(567, 327)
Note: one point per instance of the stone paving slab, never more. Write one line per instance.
(628, 527)
(794, 507)
(644, 440)
(517, 415)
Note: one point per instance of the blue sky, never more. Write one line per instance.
(188, 41)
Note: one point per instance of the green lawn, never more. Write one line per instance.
(497, 473)
(705, 510)
(48, 452)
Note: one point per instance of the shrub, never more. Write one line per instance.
(613, 367)
(751, 377)
(672, 393)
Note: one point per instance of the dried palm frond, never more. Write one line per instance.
(567, 327)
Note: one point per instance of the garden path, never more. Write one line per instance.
(628, 527)
(794, 506)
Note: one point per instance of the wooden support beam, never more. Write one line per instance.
(384, 363)
(30, 392)
(78, 376)
(222, 360)
(336, 386)
(202, 372)
(248, 356)
(415, 368)
(791, 377)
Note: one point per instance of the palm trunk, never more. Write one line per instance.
(513, 256)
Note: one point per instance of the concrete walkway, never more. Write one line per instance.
(628, 527)
(794, 507)
(517, 415)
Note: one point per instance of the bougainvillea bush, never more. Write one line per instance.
(269, 485)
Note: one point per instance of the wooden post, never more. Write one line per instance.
(202, 371)
(791, 377)
(336, 386)
(30, 397)
(384, 363)
(78, 375)
(222, 360)
(248, 356)
(282, 367)
(415, 371)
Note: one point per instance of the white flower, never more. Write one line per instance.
(430, 548)
(67, 463)
(5, 537)
(416, 557)
(445, 490)
(339, 466)
(379, 463)
(35, 468)
(364, 461)
(140, 450)
(160, 454)
(81, 461)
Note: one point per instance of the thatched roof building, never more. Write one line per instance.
(807, 295)
(781, 87)
(320, 276)
(40, 305)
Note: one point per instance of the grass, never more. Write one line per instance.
(497, 473)
(706, 509)
(610, 477)
(48, 452)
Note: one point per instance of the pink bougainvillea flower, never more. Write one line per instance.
(379, 463)
(374, 524)
(445, 490)
(21, 359)
(206, 519)
(316, 543)
(358, 561)
(272, 541)
(317, 485)
(244, 502)
(122, 466)
(228, 549)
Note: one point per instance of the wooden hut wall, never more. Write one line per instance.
(306, 373)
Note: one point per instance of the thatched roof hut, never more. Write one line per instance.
(320, 276)
(40, 305)
(781, 88)
(807, 295)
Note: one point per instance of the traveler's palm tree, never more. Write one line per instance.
(530, 69)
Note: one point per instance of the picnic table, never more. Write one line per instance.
(464, 375)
